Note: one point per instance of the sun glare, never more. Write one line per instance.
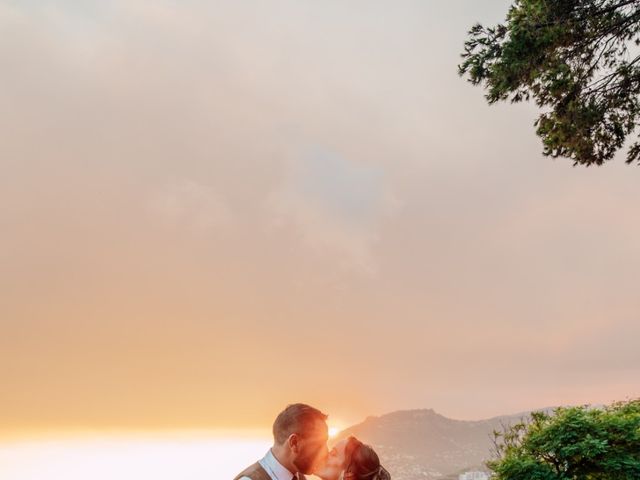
(333, 431)
(127, 458)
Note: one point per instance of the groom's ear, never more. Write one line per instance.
(294, 442)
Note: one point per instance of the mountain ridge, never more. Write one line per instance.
(422, 444)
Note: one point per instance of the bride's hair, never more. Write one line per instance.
(363, 462)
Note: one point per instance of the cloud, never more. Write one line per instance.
(336, 204)
(189, 204)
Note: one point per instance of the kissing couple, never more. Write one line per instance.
(300, 436)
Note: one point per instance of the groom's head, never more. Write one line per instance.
(300, 437)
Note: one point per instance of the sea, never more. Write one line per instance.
(174, 456)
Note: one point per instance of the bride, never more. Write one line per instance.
(350, 459)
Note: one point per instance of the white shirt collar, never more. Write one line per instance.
(273, 467)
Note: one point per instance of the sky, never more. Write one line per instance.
(209, 210)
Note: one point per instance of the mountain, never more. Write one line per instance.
(424, 445)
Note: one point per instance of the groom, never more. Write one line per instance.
(300, 437)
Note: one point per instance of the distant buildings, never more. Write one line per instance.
(473, 476)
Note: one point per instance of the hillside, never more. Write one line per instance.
(424, 445)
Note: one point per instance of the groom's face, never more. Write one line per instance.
(312, 448)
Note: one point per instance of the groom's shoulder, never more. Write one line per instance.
(254, 472)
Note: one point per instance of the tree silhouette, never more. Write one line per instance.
(578, 60)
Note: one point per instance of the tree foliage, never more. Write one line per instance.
(577, 59)
(577, 443)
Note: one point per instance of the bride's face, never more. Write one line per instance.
(335, 463)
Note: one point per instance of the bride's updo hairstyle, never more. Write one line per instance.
(363, 462)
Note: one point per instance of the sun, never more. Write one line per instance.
(333, 431)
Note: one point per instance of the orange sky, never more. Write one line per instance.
(210, 212)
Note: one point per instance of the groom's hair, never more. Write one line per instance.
(296, 418)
